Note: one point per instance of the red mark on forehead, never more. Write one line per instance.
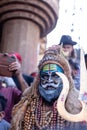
(49, 69)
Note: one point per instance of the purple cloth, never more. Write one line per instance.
(13, 96)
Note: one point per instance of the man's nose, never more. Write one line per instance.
(50, 79)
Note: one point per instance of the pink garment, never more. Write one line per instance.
(13, 95)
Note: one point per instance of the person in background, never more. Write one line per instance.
(75, 71)
(12, 94)
(68, 49)
(28, 78)
(73, 57)
(4, 125)
(33, 74)
(85, 56)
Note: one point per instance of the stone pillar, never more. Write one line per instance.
(23, 23)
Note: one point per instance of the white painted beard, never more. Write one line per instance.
(50, 94)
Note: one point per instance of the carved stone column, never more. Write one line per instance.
(23, 23)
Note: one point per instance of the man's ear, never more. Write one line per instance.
(2, 115)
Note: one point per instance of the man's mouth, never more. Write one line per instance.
(50, 88)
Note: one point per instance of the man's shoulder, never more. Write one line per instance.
(4, 125)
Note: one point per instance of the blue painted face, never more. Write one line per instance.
(50, 83)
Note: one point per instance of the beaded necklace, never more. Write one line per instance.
(43, 118)
(39, 116)
(29, 119)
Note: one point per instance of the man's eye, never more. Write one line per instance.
(55, 75)
(45, 76)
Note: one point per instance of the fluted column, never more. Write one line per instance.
(23, 23)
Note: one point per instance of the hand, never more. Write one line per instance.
(15, 67)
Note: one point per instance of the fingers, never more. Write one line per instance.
(14, 66)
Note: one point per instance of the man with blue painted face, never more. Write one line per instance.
(50, 83)
(38, 110)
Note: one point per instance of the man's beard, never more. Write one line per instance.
(50, 95)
